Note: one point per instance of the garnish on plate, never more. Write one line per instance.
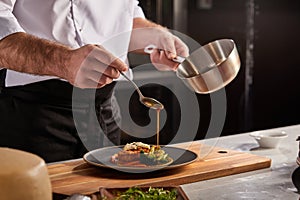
(141, 155)
(137, 193)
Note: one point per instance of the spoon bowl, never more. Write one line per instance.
(147, 101)
(152, 103)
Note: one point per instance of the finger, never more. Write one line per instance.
(91, 83)
(181, 48)
(93, 66)
(169, 48)
(104, 80)
(109, 59)
(97, 76)
(119, 65)
(88, 83)
(161, 62)
(83, 82)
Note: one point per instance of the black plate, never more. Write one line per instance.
(101, 158)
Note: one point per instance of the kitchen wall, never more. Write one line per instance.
(266, 92)
(276, 87)
(215, 19)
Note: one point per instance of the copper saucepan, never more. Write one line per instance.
(209, 68)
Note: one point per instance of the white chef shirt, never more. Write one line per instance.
(70, 22)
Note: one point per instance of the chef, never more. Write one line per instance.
(51, 49)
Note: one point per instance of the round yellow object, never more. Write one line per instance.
(23, 176)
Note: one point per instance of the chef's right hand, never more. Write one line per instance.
(91, 66)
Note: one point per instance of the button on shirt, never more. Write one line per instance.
(71, 22)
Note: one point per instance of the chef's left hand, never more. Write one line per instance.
(168, 45)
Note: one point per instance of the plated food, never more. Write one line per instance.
(143, 193)
(130, 193)
(107, 157)
(139, 154)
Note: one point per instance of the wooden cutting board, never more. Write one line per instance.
(79, 177)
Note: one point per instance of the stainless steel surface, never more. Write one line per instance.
(147, 101)
(274, 183)
(210, 67)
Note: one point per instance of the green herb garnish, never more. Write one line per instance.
(156, 156)
(136, 193)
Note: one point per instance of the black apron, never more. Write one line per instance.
(57, 121)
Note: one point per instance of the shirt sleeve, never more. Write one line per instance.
(138, 12)
(8, 22)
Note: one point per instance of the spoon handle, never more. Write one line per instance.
(133, 83)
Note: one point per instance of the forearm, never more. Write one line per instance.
(144, 31)
(25, 53)
(144, 23)
(90, 66)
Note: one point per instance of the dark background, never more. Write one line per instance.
(266, 92)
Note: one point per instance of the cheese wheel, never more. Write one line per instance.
(23, 176)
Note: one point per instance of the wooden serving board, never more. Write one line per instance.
(79, 177)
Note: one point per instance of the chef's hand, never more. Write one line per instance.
(168, 48)
(91, 66)
(168, 45)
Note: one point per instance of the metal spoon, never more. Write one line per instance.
(147, 101)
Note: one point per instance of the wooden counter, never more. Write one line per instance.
(78, 177)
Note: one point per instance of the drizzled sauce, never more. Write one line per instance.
(157, 126)
(156, 105)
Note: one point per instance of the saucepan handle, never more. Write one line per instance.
(150, 48)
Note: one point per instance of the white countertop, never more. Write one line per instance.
(272, 183)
